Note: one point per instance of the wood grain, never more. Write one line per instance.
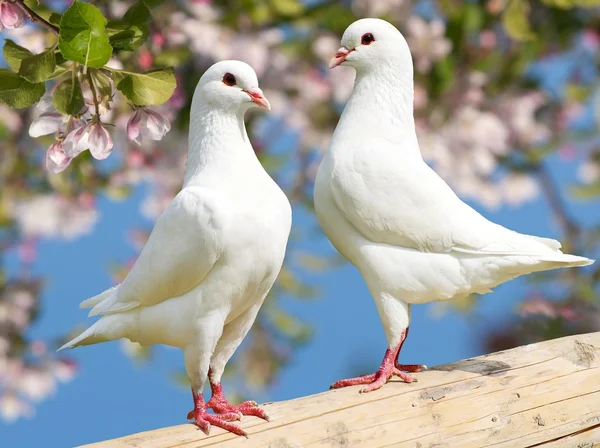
(539, 395)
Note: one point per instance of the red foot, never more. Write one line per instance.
(204, 420)
(219, 404)
(388, 368)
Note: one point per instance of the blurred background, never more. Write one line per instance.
(506, 103)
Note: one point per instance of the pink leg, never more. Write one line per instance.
(204, 420)
(413, 368)
(219, 404)
(388, 368)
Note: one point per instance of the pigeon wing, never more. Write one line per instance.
(181, 250)
(391, 196)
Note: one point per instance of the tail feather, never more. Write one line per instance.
(93, 301)
(548, 242)
(108, 328)
(112, 305)
(560, 260)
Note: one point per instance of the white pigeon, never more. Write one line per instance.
(412, 239)
(213, 255)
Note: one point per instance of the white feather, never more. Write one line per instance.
(390, 214)
(215, 252)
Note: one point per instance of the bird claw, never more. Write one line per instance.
(221, 407)
(375, 380)
(204, 421)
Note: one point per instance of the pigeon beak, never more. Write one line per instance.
(340, 57)
(258, 97)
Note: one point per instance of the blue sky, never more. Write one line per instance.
(112, 396)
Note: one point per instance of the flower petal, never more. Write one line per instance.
(46, 123)
(157, 125)
(99, 141)
(133, 126)
(11, 16)
(76, 141)
(56, 159)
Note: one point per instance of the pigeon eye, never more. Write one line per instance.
(367, 39)
(229, 79)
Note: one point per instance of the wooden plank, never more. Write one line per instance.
(545, 394)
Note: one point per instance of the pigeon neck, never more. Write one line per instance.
(381, 101)
(217, 140)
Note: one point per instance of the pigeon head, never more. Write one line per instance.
(231, 85)
(371, 43)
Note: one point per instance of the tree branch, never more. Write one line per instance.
(35, 17)
(568, 225)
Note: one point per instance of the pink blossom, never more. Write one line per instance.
(147, 124)
(538, 306)
(590, 39)
(76, 141)
(569, 314)
(427, 42)
(158, 39)
(46, 123)
(12, 407)
(56, 159)
(93, 136)
(27, 251)
(487, 39)
(99, 141)
(64, 369)
(145, 59)
(11, 15)
(567, 153)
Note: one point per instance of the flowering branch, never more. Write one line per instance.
(35, 17)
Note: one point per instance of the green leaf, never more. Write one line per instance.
(103, 84)
(568, 4)
(146, 89)
(126, 36)
(153, 3)
(68, 98)
(54, 19)
(586, 191)
(138, 13)
(131, 32)
(59, 72)
(515, 20)
(40, 9)
(17, 92)
(39, 67)
(83, 35)
(287, 7)
(14, 54)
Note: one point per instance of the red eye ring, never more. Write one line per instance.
(367, 39)
(229, 79)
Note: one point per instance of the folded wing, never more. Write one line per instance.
(182, 249)
(391, 196)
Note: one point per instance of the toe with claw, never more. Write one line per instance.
(219, 404)
(204, 420)
(389, 368)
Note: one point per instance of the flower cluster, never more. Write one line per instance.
(28, 372)
(75, 134)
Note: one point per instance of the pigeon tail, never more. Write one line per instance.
(112, 305)
(93, 301)
(561, 260)
(108, 328)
